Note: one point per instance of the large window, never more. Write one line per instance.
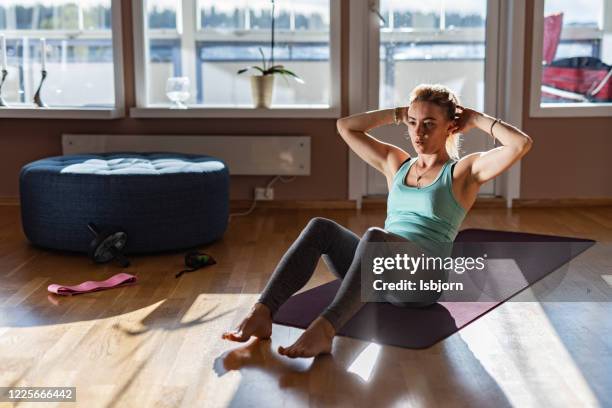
(447, 42)
(209, 41)
(78, 53)
(572, 58)
(436, 41)
(164, 47)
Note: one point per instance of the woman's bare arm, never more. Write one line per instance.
(487, 165)
(380, 155)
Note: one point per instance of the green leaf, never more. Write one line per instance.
(283, 71)
(286, 71)
(251, 67)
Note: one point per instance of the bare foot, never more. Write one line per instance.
(258, 323)
(317, 339)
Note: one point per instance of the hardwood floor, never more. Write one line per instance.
(157, 344)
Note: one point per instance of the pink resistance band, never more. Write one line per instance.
(120, 279)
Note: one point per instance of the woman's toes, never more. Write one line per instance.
(285, 351)
(258, 324)
(306, 346)
(290, 351)
(239, 336)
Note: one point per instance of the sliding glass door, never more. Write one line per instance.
(453, 43)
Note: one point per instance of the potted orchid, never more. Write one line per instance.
(262, 85)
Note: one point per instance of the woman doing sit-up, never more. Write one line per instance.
(429, 196)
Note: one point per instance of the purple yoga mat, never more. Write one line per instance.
(421, 328)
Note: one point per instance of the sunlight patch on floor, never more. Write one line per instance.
(520, 335)
(365, 362)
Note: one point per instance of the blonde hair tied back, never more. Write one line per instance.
(446, 99)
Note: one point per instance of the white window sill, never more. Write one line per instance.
(25, 112)
(571, 110)
(240, 111)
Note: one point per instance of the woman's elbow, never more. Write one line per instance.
(340, 125)
(527, 144)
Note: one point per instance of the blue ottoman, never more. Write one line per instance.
(164, 201)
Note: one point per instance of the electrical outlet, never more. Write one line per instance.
(264, 194)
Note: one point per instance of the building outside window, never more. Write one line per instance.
(78, 53)
(209, 41)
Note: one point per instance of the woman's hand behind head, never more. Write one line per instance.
(465, 119)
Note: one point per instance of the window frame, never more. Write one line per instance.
(188, 22)
(506, 92)
(553, 110)
(118, 111)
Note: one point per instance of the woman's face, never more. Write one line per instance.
(428, 127)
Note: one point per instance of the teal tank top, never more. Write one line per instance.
(429, 216)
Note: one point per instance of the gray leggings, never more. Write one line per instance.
(342, 251)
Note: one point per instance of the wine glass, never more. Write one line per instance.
(177, 90)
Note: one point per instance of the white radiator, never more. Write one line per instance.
(244, 155)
